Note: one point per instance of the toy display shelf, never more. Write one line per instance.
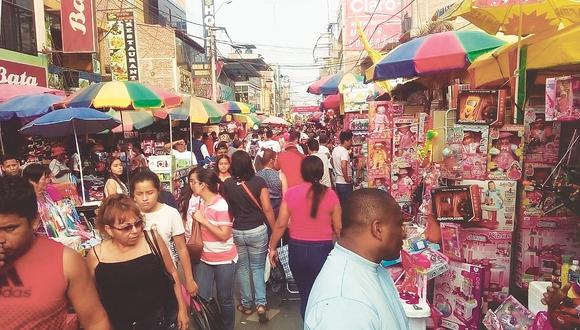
(388, 263)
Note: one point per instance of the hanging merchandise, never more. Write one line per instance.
(542, 138)
(465, 155)
(405, 166)
(505, 156)
(481, 107)
(563, 98)
(497, 204)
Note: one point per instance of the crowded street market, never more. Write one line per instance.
(343, 164)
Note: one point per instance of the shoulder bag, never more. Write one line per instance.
(195, 243)
(252, 197)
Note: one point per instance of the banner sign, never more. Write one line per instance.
(122, 46)
(185, 81)
(208, 19)
(201, 79)
(382, 19)
(22, 74)
(77, 25)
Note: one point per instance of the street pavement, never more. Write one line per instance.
(284, 314)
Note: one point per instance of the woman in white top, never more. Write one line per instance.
(114, 185)
(145, 189)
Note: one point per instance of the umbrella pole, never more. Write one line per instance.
(1, 139)
(127, 163)
(80, 163)
(170, 132)
(519, 111)
(191, 140)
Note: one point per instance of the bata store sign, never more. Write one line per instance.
(22, 74)
(78, 34)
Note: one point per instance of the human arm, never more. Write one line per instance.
(267, 206)
(284, 182)
(111, 188)
(277, 164)
(337, 219)
(204, 151)
(223, 233)
(277, 231)
(182, 315)
(82, 293)
(169, 146)
(344, 166)
(183, 254)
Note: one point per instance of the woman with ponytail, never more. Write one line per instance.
(315, 212)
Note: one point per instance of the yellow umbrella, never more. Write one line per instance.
(544, 50)
(518, 17)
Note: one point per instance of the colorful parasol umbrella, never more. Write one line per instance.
(331, 102)
(542, 51)
(119, 95)
(8, 91)
(26, 106)
(131, 120)
(237, 107)
(517, 17)
(434, 53)
(71, 121)
(332, 84)
(198, 110)
(250, 119)
(273, 120)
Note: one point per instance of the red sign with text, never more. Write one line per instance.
(77, 25)
(382, 19)
(22, 74)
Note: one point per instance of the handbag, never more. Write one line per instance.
(171, 305)
(198, 314)
(206, 314)
(194, 244)
(252, 197)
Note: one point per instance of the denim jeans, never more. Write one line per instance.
(252, 250)
(343, 190)
(223, 276)
(306, 259)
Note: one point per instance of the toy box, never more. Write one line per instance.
(477, 106)
(489, 249)
(380, 183)
(505, 156)
(456, 203)
(404, 168)
(458, 296)
(540, 244)
(381, 119)
(356, 122)
(510, 315)
(535, 174)
(563, 98)
(467, 151)
(542, 137)
(379, 158)
(497, 204)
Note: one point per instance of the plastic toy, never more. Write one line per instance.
(563, 98)
(498, 203)
(510, 315)
(456, 203)
(542, 137)
(481, 107)
(466, 151)
(505, 153)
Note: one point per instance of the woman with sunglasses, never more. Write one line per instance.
(145, 190)
(135, 277)
(219, 255)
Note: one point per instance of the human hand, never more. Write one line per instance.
(554, 295)
(191, 287)
(273, 255)
(182, 319)
(198, 216)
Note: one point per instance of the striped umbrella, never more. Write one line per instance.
(250, 119)
(232, 107)
(330, 85)
(120, 95)
(198, 110)
(131, 120)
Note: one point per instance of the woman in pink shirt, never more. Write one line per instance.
(315, 212)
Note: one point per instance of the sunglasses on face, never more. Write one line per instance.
(138, 225)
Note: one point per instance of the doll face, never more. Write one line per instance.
(381, 110)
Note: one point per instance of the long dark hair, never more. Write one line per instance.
(207, 176)
(145, 175)
(312, 170)
(241, 168)
(112, 159)
(217, 161)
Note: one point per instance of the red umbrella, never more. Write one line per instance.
(331, 102)
(8, 91)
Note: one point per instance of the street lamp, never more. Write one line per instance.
(221, 5)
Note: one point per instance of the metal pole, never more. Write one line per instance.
(191, 140)
(80, 163)
(1, 139)
(212, 55)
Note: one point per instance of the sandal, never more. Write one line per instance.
(244, 310)
(262, 316)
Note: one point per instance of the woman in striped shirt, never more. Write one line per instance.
(219, 256)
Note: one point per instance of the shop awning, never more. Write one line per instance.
(331, 102)
(544, 51)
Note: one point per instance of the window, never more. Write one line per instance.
(18, 31)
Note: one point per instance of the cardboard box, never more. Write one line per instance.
(540, 244)
(381, 120)
(563, 98)
(497, 204)
(467, 156)
(457, 203)
(535, 174)
(379, 158)
(505, 153)
(489, 249)
(479, 106)
(404, 167)
(458, 296)
(542, 137)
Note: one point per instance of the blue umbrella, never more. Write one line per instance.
(27, 106)
(71, 121)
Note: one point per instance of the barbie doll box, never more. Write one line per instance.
(563, 98)
(458, 296)
(542, 137)
(485, 107)
(497, 204)
(466, 152)
(540, 244)
(456, 203)
(488, 248)
(505, 153)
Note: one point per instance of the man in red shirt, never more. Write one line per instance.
(289, 160)
(39, 276)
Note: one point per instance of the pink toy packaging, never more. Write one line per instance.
(404, 168)
(488, 249)
(542, 137)
(456, 203)
(497, 204)
(505, 156)
(381, 119)
(458, 296)
(540, 244)
(563, 98)
(467, 148)
(379, 157)
(510, 315)
(479, 106)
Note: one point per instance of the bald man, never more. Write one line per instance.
(353, 291)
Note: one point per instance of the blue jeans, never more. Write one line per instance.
(252, 250)
(223, 275)
(306, 259)
(343, 190)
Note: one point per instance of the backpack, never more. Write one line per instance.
(254, 148)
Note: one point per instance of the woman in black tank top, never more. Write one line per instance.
(137, 286)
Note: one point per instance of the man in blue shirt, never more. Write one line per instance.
(352, 290)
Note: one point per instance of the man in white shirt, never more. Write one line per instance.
(269, 143)
(313, 148)
(58, 167)
(179, 150)
(342, 167)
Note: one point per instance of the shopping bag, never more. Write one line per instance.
(213, 313)
(195, 243)
(198, 315)
(284, 261)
